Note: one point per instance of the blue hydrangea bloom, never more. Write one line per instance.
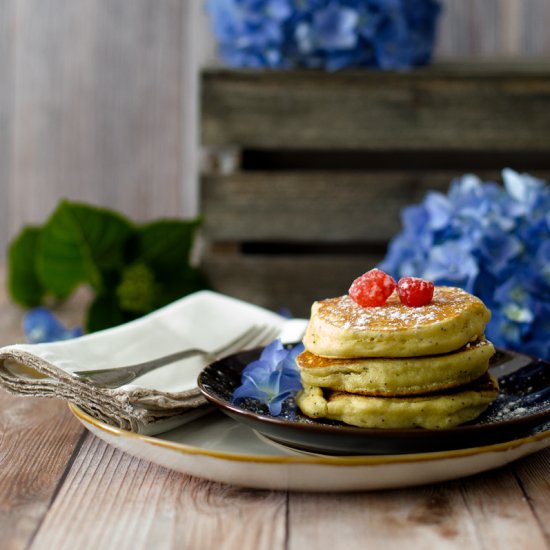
(492, 240)
(272, 379)
(329, 34)
(40, 325)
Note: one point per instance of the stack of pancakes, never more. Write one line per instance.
(395, 366)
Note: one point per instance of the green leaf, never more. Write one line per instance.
(137, 291)
(23, 283)
(78, 243)
(165, 246)
(103, 313)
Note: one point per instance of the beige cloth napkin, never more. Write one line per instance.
(160, 400)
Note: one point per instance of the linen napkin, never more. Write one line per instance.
(160, 400)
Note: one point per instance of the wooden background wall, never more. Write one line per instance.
(98, 97)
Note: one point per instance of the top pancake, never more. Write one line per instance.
(339, 327)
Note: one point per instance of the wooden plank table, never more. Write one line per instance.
(61, 487)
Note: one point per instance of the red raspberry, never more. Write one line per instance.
(373, 288)
(415, 292)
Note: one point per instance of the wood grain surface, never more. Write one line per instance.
(494, 28)
(37, 439)
(317, 207)
(139, 505)
(94, 93)
(488, 511)
(533, 476)
(7, 30)
(312, 206)
(439, 108)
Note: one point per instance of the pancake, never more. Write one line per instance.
(339, 327)
(397, 376)
(443, 410)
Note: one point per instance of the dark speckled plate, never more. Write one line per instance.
(523, 405)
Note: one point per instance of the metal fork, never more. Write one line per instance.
(255, 336)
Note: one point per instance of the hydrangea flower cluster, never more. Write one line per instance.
(272, 379)
(491, 240)
(327, 34)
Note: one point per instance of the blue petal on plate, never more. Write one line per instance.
(272, 379)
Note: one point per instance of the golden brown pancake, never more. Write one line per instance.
(397, 376)
(441, 410)
(339, 327)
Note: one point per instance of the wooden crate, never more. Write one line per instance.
(306, 171)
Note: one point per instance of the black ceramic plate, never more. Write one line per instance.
(523, 404)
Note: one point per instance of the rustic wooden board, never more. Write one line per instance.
(493, 28)
(533, 474)
(437, 108)
(292, 282)
(504, 517)
(480, 512)
(141, 505)
(7, 28)
(335, 206)
(97, 104)
(533, 19)
(37, 439)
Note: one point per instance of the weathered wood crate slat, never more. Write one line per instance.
(439, 108)
(324, 163)
(311, 206)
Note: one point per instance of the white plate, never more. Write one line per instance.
(220, 449)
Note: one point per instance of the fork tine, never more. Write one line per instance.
(239, 342)
(255, 336)
(264, 337)
(270, 335)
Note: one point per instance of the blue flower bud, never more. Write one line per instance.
(40, 325)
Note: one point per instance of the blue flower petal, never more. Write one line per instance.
(249, 389)
(329, 34)
(499, 249)
(335, 27)
(41, 325)
(523, 188)
(274, 352)
(451, 263)
(439, 210)
(491, 240)
(272, 379)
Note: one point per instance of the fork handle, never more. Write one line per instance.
(119, 376)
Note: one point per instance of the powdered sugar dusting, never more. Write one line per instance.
(344, 312)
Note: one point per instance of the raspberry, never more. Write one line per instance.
(415, 292)
(373, 288)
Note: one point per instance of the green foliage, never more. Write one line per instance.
(137, 291)
(165, 245)
(132, 269)
(78, 244)
(104, 312)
